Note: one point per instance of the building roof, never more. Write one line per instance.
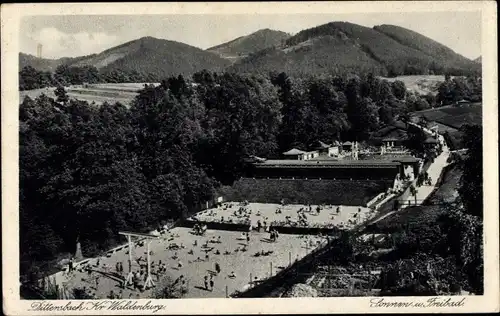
(347, 143)
(320, 145)
(390, 139)
(327, 164)
(406, 159)
(294, 152)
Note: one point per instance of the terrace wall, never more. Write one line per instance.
(305, 191)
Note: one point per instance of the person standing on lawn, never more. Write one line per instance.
(205, 279)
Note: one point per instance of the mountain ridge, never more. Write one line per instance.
(334, 47)
(397, 57)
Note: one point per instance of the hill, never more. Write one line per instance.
(319, 55)
(41, 64)
(156, 57)
(478, 60)
(244, 45)
(46, 64)
(346, 46)
(444, 55)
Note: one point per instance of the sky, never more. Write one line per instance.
(71, 36)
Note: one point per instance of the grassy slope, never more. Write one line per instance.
(451, 118)
(423, 84)
(98, 93)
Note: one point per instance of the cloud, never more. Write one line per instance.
(58, 44)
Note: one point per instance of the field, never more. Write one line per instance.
(347, 217)
(98, 93)
(450, 119)
(423, 84)
(452, 116)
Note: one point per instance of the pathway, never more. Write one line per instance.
(434, 171)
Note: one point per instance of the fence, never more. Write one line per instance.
(285, 276)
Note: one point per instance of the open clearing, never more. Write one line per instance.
(98, 93)
(346, 218)
(423, 84)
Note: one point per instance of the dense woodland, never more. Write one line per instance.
(88, 171)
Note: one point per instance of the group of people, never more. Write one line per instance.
(199, 229)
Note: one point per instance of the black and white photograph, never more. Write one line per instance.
(251, 155)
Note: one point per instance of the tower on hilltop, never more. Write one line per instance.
(39, 51)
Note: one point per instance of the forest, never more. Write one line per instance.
(88, 171)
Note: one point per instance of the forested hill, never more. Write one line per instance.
(45, 64)
(478, 60)
(149, 57)
(447, 57)
(157, 57)
(342, 46)
(244, 45)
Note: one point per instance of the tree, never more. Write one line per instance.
(471, 182)
(361, 112)
(61, 95)
(415, 142)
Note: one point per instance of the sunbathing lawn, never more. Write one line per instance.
(267, 212)
(242, 263)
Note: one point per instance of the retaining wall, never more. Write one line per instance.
(305, 191)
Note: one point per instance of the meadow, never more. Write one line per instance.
(97, 93)
(422, 84)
